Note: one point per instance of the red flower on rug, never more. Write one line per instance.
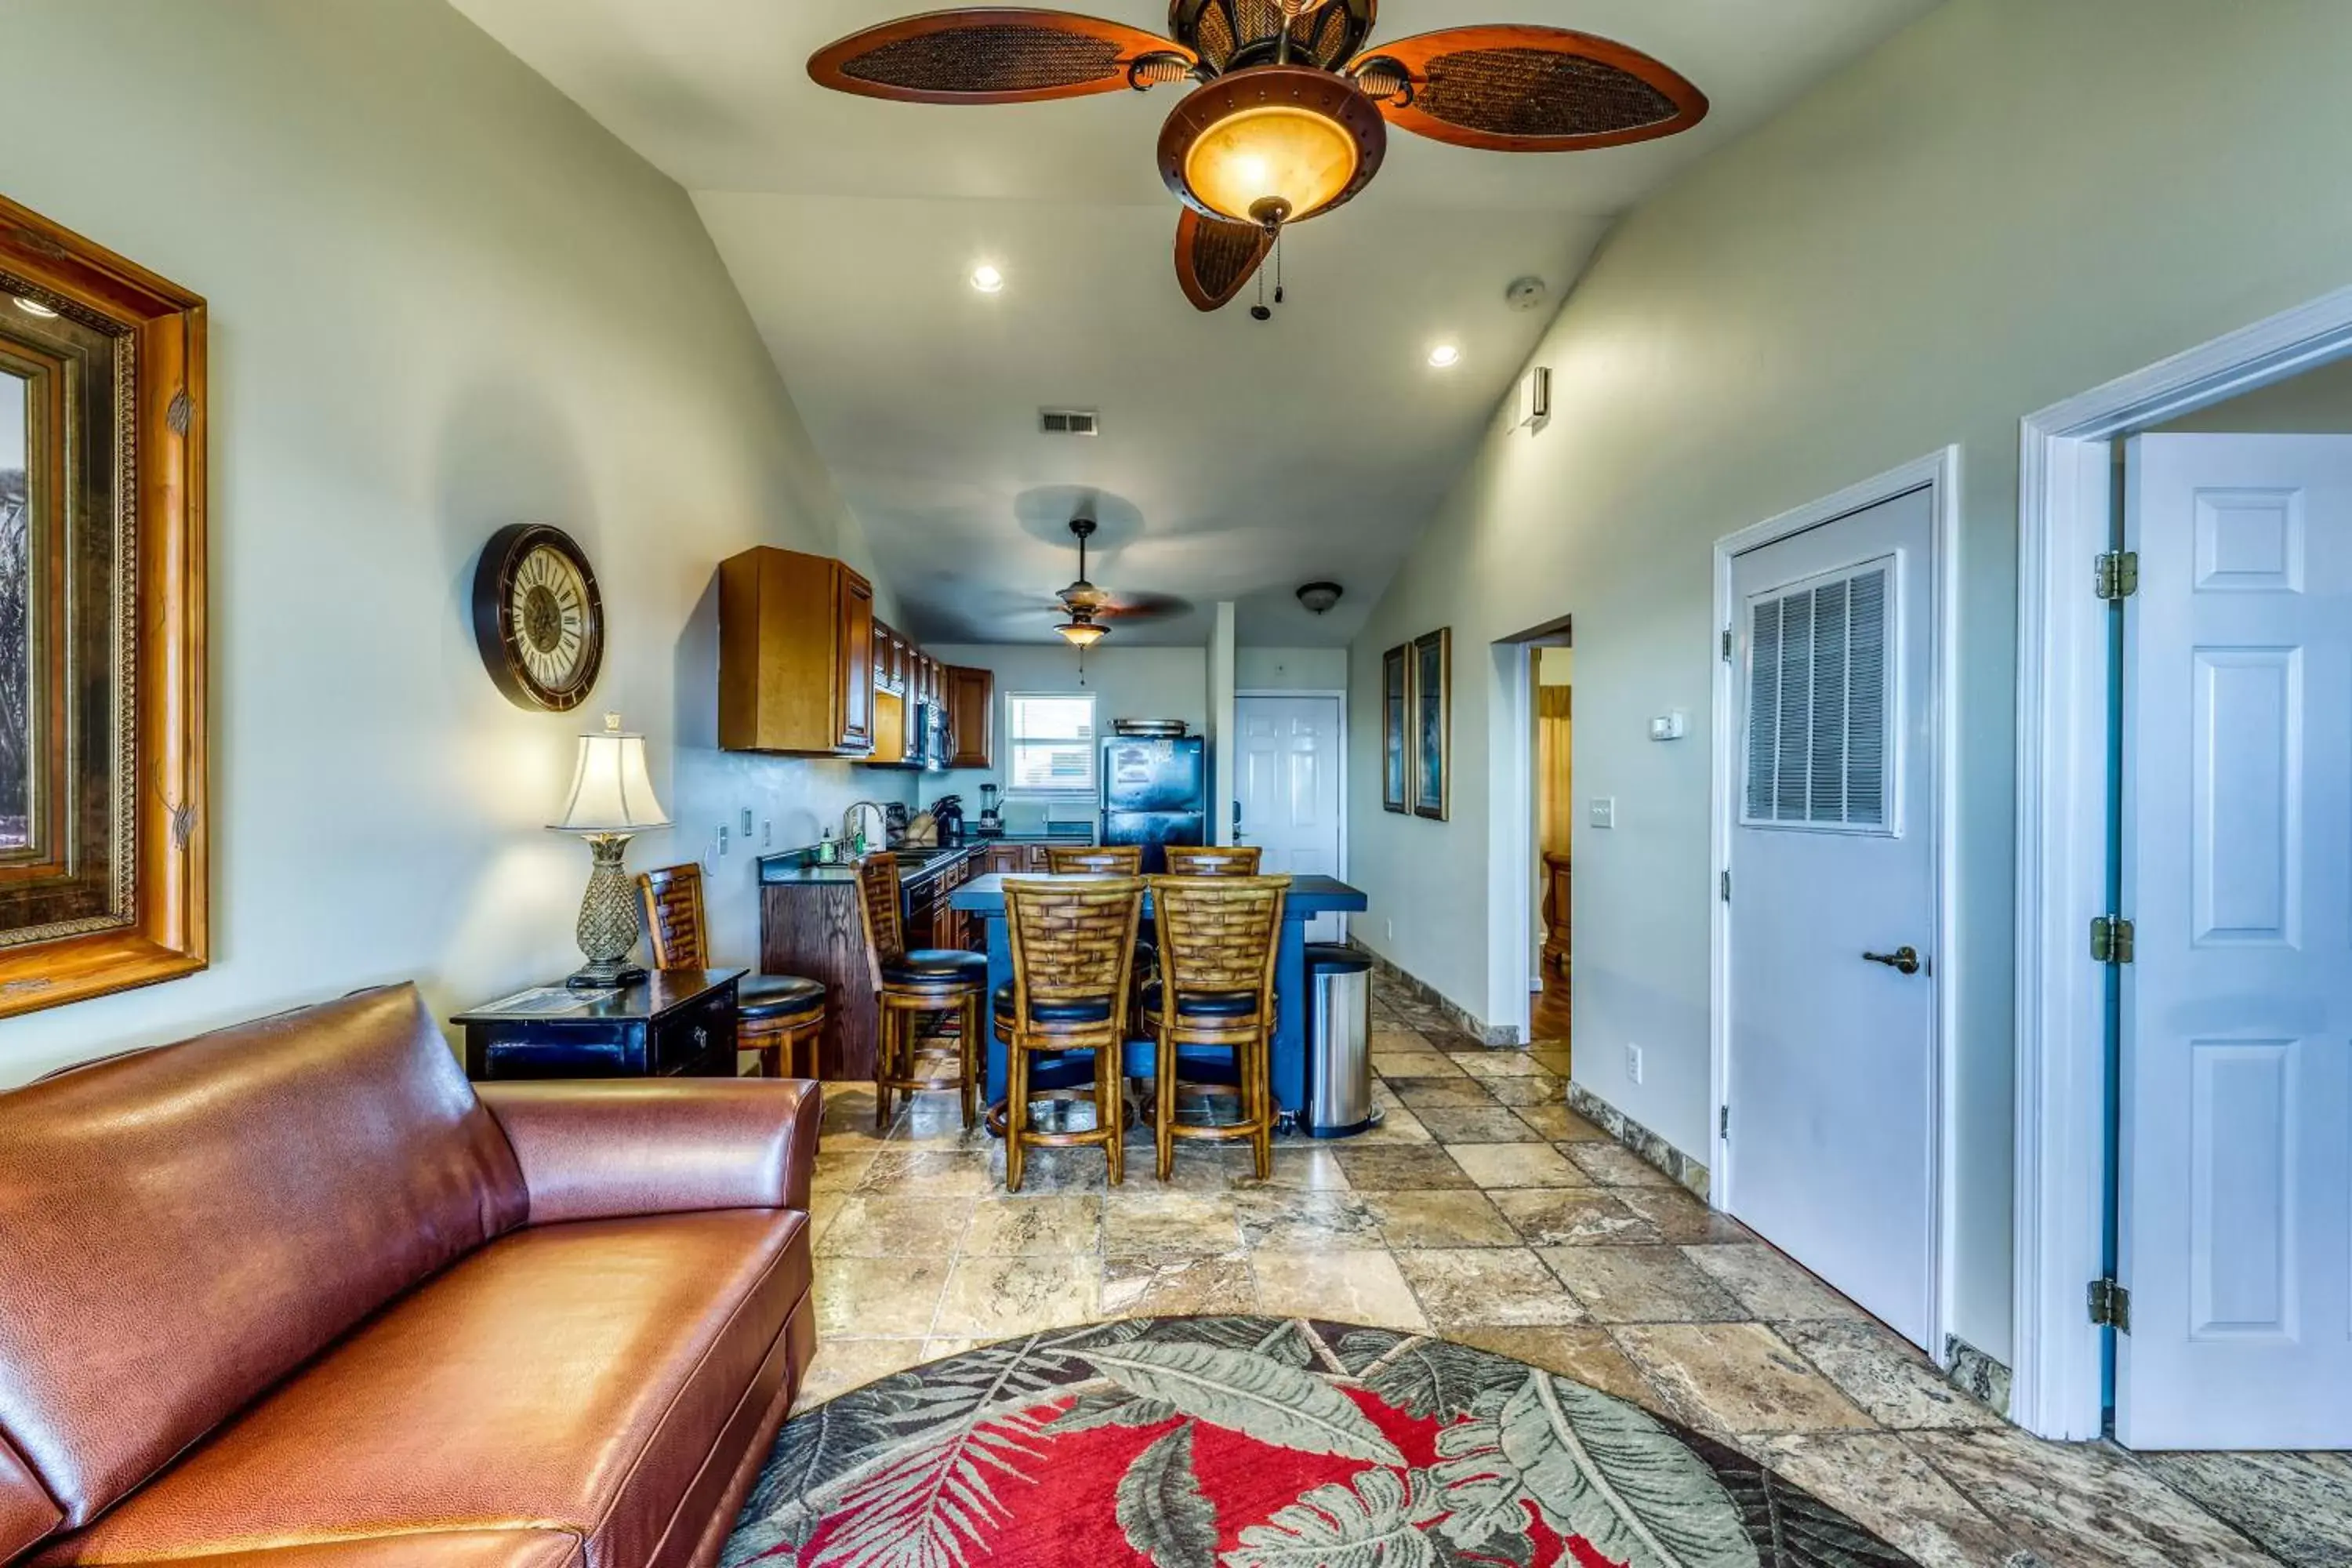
(1265, 1443)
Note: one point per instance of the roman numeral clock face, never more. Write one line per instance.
(537, 617)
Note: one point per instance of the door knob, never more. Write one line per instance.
(1903, 959)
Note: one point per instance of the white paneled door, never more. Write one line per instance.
(2235, 1141)
(1287, 778)
(1831, 1140)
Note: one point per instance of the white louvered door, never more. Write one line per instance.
(1832, 1091)
(2235, 1144)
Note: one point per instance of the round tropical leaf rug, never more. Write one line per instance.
(1265, 1443)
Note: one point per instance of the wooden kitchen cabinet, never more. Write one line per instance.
(796, 655)
(971, 717)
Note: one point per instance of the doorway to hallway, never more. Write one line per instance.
(1552, 672)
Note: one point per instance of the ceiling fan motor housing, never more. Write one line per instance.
(1235, 34)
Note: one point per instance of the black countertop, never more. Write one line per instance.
(790, 866)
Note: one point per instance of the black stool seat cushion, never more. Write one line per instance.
(1051, 1011)
(778, 997)
(936, 966)
(1204, 1003)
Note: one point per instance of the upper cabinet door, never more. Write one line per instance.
(796, 655)
(971, 717)
(854, 638)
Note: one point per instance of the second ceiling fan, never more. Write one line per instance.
(1291, 119)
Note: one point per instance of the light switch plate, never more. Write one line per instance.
(1634, 1061)
(1605, 811)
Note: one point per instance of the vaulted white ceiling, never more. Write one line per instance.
(1236, 459)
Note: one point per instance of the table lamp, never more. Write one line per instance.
(612, 800)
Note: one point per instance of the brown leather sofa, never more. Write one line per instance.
(293, 1295)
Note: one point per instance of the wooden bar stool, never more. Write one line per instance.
(1214, 859)
(777, 1016)
(912, 986)
(1095, 859)
(1073, 944)
(1218, 936)
(1109, 860)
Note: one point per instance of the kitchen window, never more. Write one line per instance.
(1053, 744)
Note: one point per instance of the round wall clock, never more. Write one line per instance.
(537, 617)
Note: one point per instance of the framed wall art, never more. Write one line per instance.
(1396, 728)
(102, 820)
(1433, 723)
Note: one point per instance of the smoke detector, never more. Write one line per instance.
(1526, 294)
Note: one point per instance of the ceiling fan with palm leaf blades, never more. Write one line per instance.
(1291, 117)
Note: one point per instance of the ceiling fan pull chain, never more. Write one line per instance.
(1278, 267)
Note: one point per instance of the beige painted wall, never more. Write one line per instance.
(2009, 202)
(2316, 403)
(441, 298)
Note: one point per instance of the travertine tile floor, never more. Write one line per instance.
(1487, 1211)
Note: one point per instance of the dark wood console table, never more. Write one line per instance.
(676, 1023)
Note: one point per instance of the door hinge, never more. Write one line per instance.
(1726, 887)
(1726, 645)
(2111, 1306)
(2111, 940)
(1723, 1123)
(2116, 575)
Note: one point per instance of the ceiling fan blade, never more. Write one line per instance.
(1510, 89)
(991, 55)
(1141, 607)
(1214, 259)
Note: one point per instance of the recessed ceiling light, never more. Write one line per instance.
(987, 280)
(33, 307)
(1444, 355)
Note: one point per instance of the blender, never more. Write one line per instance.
(991, 823)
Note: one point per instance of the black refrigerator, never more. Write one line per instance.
(1155, 793)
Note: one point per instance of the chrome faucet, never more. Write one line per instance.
(854, 818)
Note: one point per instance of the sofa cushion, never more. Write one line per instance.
(567, 1377)
(181, 1227)
(27, 1512)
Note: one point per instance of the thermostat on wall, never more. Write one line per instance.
(1668, 726)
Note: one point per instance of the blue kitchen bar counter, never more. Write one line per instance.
(1309, 897)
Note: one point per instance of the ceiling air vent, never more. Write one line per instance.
(1067, 421)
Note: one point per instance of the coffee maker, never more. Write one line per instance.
(992, 822)
(948, 812)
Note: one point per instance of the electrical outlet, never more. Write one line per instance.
(767, 835)
(1634, 1061)
(747, 822)
(1388, 930)
(723, 841)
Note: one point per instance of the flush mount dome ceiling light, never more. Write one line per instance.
(1291, 117)
(987, 279)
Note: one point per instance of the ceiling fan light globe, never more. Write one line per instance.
(1082, 633)
(1271, 144)
(1282, 160)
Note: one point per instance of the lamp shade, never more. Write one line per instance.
(611, 792)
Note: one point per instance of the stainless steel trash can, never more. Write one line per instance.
(1338, 1042)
